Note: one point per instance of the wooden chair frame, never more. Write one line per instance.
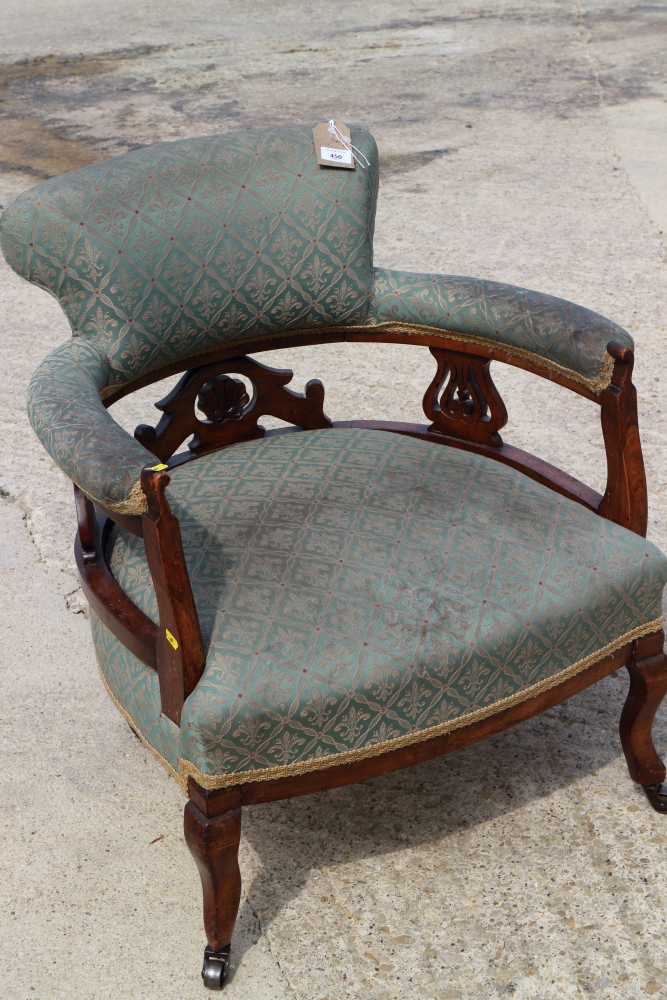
(467, 412)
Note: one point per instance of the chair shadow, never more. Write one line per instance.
(430, 801)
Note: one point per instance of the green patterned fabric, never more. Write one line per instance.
(162, 254)
(566, 336)
(174, 250)
(360, 590)
(70, 420)
(136, 690)
(185, 246)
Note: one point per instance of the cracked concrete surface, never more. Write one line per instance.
(525, 142)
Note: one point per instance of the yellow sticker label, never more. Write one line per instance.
(158, 468)
(171, 639)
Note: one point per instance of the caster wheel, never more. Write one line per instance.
(657, 796)
(216, 968)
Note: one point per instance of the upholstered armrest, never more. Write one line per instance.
(552, 332)
(79, 434)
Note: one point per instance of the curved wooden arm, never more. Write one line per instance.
(107, 599)
(625, 499)
(181, 657)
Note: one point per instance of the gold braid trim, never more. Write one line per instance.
(210, 782)
(596, 385)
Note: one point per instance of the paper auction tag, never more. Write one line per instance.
(331, 152)
(339, 157)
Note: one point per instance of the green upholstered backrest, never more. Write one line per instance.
(185, 246)
(161, 255)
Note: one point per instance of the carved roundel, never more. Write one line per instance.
(223, 398)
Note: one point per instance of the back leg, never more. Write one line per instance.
(648, 686)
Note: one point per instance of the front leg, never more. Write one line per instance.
(214, 844)
(648, 686)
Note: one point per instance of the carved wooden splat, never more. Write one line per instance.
(232, 414)
(462, 400)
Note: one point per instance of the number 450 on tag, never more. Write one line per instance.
(335, 155)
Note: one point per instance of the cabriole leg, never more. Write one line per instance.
(214, 844)
(648, 686)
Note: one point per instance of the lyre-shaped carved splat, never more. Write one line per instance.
(223, 398)
(462, 400)
(232, 414)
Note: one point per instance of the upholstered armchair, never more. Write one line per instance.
(279, 613)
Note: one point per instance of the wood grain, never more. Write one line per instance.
(107, 599)
(625, 499)
(209, 386)
(462, 400)
(181, 657)
(648, 686)
(372, 335)
(214, 844)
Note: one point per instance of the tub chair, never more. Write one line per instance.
(284, 612)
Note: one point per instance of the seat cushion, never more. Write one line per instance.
(360, 590)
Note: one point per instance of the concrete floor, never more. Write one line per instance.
(524, 142)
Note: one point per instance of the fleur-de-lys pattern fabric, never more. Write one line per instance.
(359, 590)
(170, 251)
(174, 250)
(136, 690)
(70, 420)
(572, 339)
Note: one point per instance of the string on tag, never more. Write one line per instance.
(337, 134)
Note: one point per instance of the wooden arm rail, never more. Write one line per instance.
(174, 647)
(469, 409)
